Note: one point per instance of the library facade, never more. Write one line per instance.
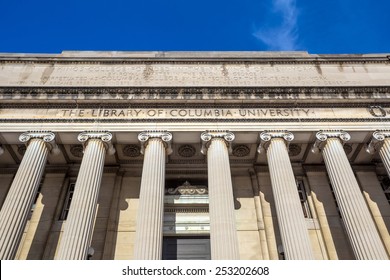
(194, 155)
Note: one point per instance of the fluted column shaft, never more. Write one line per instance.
(77, 235)
(360, 227)
(17, 205)
(149, 234)
(223, 231)
(293, 228)
(384, 153)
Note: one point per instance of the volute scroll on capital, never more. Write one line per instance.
(376, 141)
(165, 136)
(47, 136)
(208, 135)
(323, 135)
(104, 136)
(266, 137)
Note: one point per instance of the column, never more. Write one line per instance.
(155, 145)
(223, 231)
(380, 142)
(77, 235)
(17, 205)
(292, 224)
(358, 221)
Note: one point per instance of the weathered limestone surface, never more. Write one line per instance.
(253, 70)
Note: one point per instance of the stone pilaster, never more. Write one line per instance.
(293, 228)
(77, 235)
(360, 227)
(155, 145)
(17, 205)
(223, 232)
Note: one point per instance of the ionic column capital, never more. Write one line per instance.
(208, 135)
(266, 137)
(104, 136)
(376, 142)
(47, 136)
(323, 135)
(165, 136)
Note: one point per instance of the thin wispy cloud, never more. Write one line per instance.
(282, 33)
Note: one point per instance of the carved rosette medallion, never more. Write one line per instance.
(21, 149)
(165, 136)
(47, 136)
(323, 135)
(105, 137)
(376, 142)
(347, 148)
(240, 150)
(132, 150)
(266, 137)
(186, 151)
(187, 189)
(77, 150)
(208, 135)
(294, 150)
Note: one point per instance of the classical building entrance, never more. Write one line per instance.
(194, 155)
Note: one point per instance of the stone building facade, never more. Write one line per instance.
(198, 155)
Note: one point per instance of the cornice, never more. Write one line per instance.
(196, 59)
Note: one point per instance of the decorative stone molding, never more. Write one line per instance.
(165, 136)
(376, 142)
(132, 150)
(105, 137)
(323, 135)
(187, 151)
(187, 189)
(47, 136)
(77, 150)
(206, 136)
(240, 150)
(266, 136)
(180, 93)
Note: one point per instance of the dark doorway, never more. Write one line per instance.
(186, 248)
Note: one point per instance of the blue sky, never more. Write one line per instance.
(316, 26)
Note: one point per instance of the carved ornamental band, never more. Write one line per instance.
(266, 136)
(165, 136)
(104, 136)
(208, 135)
(323, 135)
(376, 142)
(47, 136)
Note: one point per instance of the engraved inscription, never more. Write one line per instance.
(179, 74)
(373, 112)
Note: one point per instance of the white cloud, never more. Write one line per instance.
(284, 34)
